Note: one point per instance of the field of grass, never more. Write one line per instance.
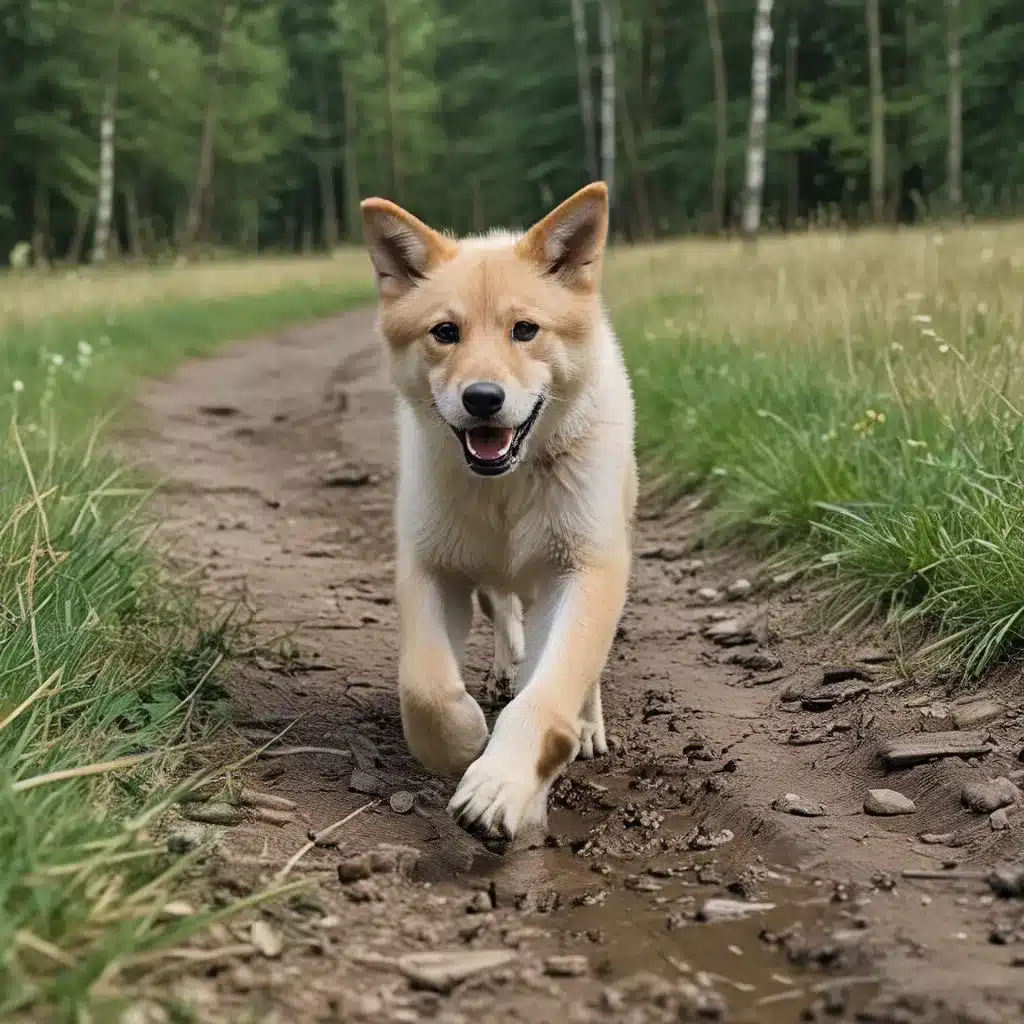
(853, 403)
(104, 667)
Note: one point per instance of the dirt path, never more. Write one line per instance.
(279, 455)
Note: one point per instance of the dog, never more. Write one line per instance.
(517, 482)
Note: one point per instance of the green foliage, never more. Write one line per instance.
(470, 113)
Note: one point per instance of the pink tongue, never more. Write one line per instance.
(489, 443)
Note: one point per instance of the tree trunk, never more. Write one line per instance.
(77, 244)
(718, 179)
(955, 152)
(391, 98)
(208, 136)
(353, 218)
(877, 111)
(792, 76)
(325, 170)
(108, 145)
(41, 225)
(607, 31)
(636, 172)
(760, 73)
(134, 221)
(579, 26)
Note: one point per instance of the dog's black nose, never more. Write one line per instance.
(483, 398)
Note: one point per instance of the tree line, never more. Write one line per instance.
(147, 127)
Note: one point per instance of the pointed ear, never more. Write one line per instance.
(569, 242)
(402, 248)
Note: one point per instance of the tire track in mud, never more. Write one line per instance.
(279, 458)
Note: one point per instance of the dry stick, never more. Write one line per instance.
(288, 751)
(318, 837)
(946, 876)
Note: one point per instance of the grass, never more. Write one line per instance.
(105, 666)
(852, 402)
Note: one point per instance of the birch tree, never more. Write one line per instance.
(108, 145)
(721, 93)
(760, 78)
(877, 92)
(582, 45)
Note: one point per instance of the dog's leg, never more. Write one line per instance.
(506, 614)
(444, 726)
(538, 734)
(592, 738)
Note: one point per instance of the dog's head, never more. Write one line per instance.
(496, 332)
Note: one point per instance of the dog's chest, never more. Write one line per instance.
(505, 535)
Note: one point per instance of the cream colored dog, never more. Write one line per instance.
(517, 480)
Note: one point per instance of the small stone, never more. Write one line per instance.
(936, 838)
(708, 595)
(739, 589)
(265, 939)
(918, 747)
(349, 478)
(442, 971)
(872, 656)
(363, 782)
(999, 820)
(186, 838)
(569, 966)
(1007, 882)
(986, 797)
(393, 859)
(480, 904)
(402, 801)
(832, 674)
(798, 805)
(729, 633)
(977, 713)
(888, 802)
(730, 910)
(757, 661)
(354, 869)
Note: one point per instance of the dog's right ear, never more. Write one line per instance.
(402, 248)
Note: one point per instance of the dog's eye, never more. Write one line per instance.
(523, 330)
(446, 333)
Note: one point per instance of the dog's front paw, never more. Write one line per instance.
(505, 790)
(593, 742)
(445, 735)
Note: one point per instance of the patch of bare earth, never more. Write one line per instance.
(718, 864)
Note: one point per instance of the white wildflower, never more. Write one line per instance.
(19, 386)
(922, 318)
(943, 348)
(84, 349)
(57, 359)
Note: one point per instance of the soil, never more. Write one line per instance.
(717, 864)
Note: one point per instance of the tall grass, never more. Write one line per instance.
(853, 401)
(105, 664)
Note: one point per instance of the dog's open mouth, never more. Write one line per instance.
(490, 450)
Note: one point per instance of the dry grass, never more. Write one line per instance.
(27, 298)
(853, 400)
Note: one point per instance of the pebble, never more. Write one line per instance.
(979, 712)
(999, 820)
(402, 801)
(757, 661)
(729, 633)
(265, 939)
(353, 869)
(480, 904)
(709, 595)
(986, 797)
(798, 805)
(888, 802)
(442, 971)
(739, 589)
(936, 838)
(363, 782)
(716, 909)
(919, 747)
(568, 966)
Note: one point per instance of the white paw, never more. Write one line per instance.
(499, 796)
(504, 791)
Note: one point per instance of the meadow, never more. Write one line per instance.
(847, 404)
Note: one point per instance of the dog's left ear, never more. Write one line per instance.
(402, 248)
(569, 242)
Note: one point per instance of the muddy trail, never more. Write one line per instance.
(717, 864)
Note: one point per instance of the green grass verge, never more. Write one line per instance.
(101, 658)
(887, 458)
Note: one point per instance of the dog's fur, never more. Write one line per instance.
(546, 545)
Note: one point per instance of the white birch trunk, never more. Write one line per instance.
(108, 148)
(955, 153)
(760, 77)
(607, 31)
(579, 26)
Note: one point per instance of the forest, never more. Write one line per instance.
(143, 128)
